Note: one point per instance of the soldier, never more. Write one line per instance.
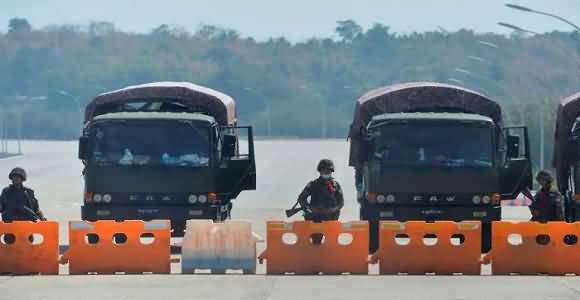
(326, 197)
(547, 203)
(17, 202)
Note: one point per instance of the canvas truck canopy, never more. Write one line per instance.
(415, 97)
(568, 111)
(165, 97)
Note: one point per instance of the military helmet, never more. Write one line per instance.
(17, 171)
(325, 164)
(546, 175)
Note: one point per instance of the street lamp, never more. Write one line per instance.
(477, 58)
(564, 50)
(533, 11)
(455, 80)
(488, 44)
(24, 101)
(78, 105)
(468, 73)
(268, 108)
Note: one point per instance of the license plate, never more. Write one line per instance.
(195, 213)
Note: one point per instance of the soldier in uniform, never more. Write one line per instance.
(326, 198)
(17, 202)
(547, 203)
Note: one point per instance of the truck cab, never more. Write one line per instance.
(176, 163)
(567, 154)
(414, 170)
(433, 161)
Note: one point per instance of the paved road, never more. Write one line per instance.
(283, 168)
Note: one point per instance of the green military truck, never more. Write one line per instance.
(166, 150)
(430, 151)
(566, 158)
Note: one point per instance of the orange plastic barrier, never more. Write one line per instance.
(290, 249)
(108, 247)
(534, 248)
(418, 247)
(28, 247)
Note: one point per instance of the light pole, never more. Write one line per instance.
(268, 109)
(564, 50)
(533, 11)
(455, 80)
(78, 105)
(488, 44)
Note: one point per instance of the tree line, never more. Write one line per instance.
(282, 88)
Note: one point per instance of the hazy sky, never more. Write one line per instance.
(295, 19)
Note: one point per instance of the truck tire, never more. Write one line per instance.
(486, 237)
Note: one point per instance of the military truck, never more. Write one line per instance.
(166, 150)
(566, 158)
(431, 151)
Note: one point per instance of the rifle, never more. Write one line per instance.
(295, 209)
(26, 211)
(31, 214)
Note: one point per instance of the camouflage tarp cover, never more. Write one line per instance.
(415, 97)
(196, 98)
(568, 111)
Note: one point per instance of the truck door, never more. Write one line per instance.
(237, 165)
(516, 168)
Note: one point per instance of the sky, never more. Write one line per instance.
(294, 19)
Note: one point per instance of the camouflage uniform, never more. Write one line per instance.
(18, 203)
(324, 194)
(547, 206)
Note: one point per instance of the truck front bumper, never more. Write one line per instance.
(431, 213)
(174, 213)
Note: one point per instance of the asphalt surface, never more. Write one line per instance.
(284, 166)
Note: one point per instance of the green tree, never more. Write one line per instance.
(16, 25)
(348, 30)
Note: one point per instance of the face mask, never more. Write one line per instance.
(326, 176)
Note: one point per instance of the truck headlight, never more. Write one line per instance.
(202, 198)
(476, 199)
(486, 199)
(107, 198)
(390, 199)
(192, 199)
(97, 198)
(381, 198)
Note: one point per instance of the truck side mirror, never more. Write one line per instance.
(513, 146)
(229, 147)
(84, 148)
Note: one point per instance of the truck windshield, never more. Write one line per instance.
(150, 143)
(450, 145)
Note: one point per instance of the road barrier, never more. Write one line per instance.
(417, 247)
(108, 247)
(230, 245)
(534, 248)
(304, 247)
(28, 247)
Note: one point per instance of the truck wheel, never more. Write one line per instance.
(485, 237)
